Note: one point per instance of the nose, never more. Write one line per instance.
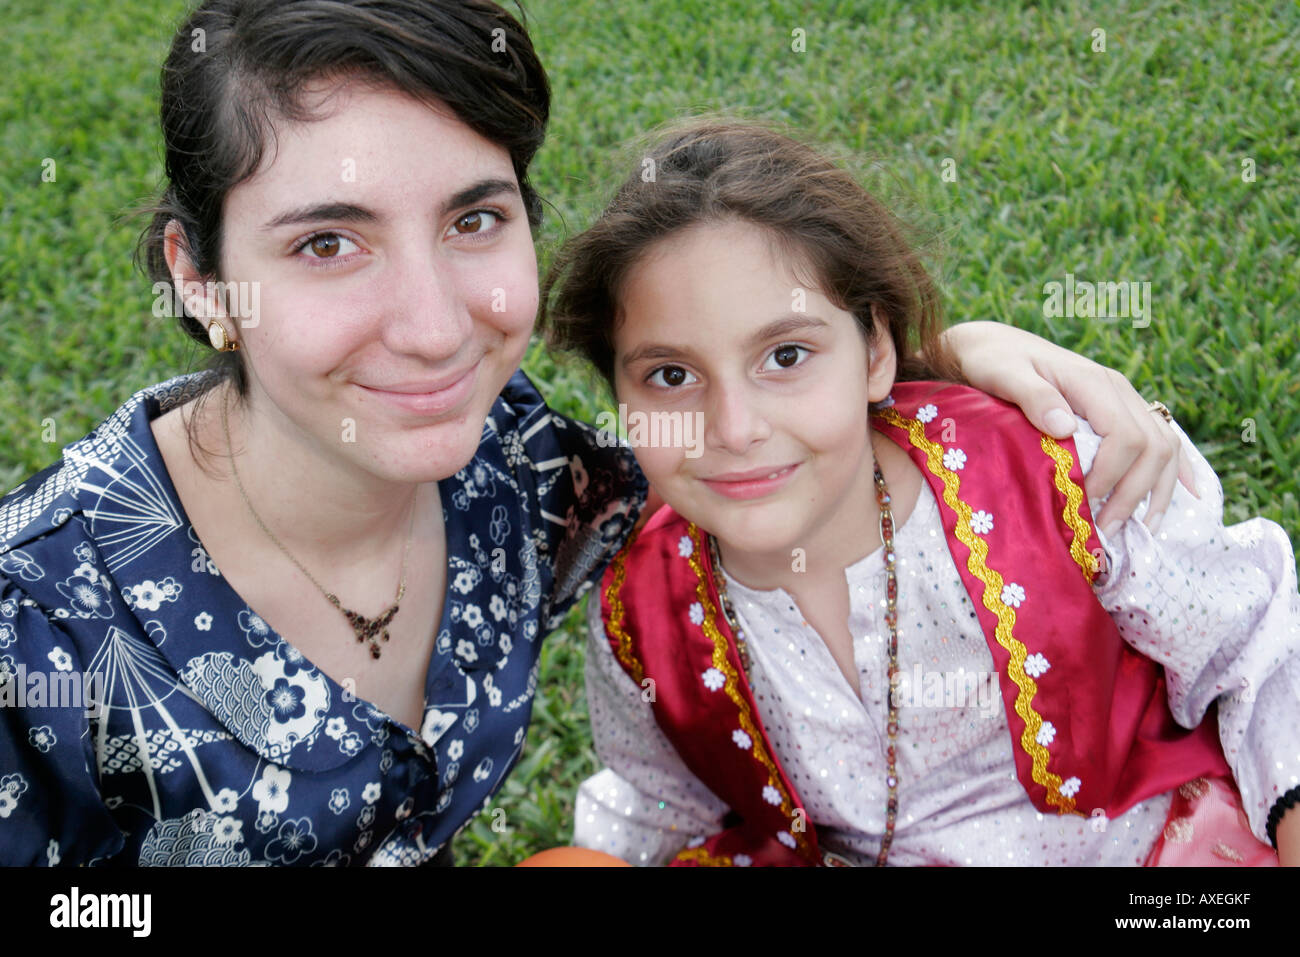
(735, 419)
(428, 313)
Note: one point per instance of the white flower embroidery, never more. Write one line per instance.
(697, 613)
(203, 621)
(1070, 787)
(786, 838)
(1012, 594)
(60, 659)
(1046, 733)
(1036, 665)
(714, 679)
(926, 413)
(742, 740)
(954, 459)
(771, 795)
(685, 547)
(742, 860)
(981, 523)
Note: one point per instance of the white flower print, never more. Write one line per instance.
(1046, 733)
(472, 616)
(954, 459)
(203, 621)
(8, 608)
(335, 728)
(8, 801)
(742, 860)
(927, 413)
(61, 660)
(1012, 594)
(340, 800)
(685, 547)
(497, 607)
(697, 613)
(786, 838)
(87, 598)
(981, 523)
(7, 669)
(456, 749)
(494, 696)
(771, 795)
(714, 679)
(7, 634)
(1036, 665)
(1070, 786)
(351, 743)
(465, 649)
(272, 792)
(228, 830)
(147, 595)
(265, 821)
(294, 840)
(505, 644)
(52, 853)
(464, 582)
(42, 738)
(255, 629)
(226, 800)
(370, 794)
(84, 570)
(742, 740)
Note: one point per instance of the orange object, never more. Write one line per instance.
(572, 857)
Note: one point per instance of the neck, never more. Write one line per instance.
(323, 509)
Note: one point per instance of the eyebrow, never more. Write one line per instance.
(352, 213)
(784, 326)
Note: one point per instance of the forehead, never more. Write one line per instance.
(372, 143)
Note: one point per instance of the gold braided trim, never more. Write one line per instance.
(720, 662)
(703, 858)
(993, 583)
(1085, 559)
(613, 595)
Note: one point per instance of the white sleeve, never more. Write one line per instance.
(647, 804)
(1219, 609)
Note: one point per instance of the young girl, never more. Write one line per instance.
(876, 623)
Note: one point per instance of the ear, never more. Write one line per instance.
(200, 297)
(882, 366)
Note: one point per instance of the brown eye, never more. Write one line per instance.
(673, 375)
(786, 356)
(325, 247)
(469, 223)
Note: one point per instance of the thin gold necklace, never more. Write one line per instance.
(371, 630)
(883, 500)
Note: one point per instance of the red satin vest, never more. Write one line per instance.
(1088, 715)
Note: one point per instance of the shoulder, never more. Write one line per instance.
(48, 499)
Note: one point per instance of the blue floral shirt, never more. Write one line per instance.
(148, 715)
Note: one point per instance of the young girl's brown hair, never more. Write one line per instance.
(850, 246)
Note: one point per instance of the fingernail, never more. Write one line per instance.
(1060, 422)
(1153, 521)
(1111, 528)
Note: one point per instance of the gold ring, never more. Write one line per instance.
(1161, 410)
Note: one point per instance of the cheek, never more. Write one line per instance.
(662, 466)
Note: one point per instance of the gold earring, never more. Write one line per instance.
(217, 336)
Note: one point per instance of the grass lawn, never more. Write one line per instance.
(1005, 130)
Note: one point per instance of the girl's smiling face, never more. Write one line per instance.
(714, 321)
(398, 281)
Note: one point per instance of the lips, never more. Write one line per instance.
(752, 483)
(434, 397)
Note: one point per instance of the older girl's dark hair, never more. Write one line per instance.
(713, 170)
(236, 66)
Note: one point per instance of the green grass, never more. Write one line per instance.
(1116, 165)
